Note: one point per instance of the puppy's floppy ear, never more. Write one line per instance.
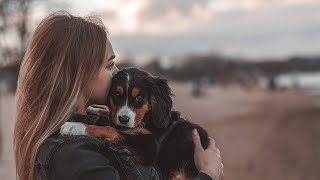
(161, 102)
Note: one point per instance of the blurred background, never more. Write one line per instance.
(246, 70)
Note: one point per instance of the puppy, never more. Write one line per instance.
(143, 120)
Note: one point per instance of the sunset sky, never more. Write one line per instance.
(247, 28)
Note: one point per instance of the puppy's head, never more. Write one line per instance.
(136, 95)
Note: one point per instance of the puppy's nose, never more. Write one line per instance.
(124, 119)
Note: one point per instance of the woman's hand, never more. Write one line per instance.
(209, 160)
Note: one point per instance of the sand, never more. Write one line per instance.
(7, 111)
(261, 134)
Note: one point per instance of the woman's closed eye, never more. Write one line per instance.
(110, 66)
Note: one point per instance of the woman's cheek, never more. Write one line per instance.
(108, 81)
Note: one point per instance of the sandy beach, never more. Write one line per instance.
(7, 112)
(261, 134)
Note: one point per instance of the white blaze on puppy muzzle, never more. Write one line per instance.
(126, 117)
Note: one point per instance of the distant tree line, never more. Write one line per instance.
(216, 67)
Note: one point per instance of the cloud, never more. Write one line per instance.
(158, 8)
(253, 28)
(277, 31)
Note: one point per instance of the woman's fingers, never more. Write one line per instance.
(222, 173)
(196, 140)
(209, 160)
(212, 143)
(212, 146)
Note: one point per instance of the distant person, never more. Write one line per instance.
(199, 86)
(196, 89)
(295, 81)
(272, 83)
(69, 66)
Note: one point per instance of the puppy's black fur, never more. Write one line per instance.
(170, 144)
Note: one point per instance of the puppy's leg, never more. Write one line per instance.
(106, 132)
(76, 128)
(136, 131)
(180, 175)
(73, 128)
(142, 144)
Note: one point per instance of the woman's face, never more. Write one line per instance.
(98, 88)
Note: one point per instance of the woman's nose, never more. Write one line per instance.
(115, 71)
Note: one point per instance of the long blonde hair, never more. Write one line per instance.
(64, 54)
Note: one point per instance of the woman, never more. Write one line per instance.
(69, 66)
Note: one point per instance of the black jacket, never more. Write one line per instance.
(89, 158)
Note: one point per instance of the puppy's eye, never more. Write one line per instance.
(116, 94)
(139, 98)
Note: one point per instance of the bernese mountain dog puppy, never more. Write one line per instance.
(143, 121)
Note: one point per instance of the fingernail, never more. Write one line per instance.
(195, 132)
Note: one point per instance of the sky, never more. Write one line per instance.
(254, 29)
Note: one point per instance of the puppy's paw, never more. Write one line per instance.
(73, 128)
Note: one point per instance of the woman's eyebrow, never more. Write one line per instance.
(111, 57)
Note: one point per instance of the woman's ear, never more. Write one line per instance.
(161, 103)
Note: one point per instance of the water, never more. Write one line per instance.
(306, 81)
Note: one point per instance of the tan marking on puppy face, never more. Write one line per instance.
(114, 111)
(141, 112)
(135, 92)
(119, 90)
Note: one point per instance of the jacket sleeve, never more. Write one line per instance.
(80, 160)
